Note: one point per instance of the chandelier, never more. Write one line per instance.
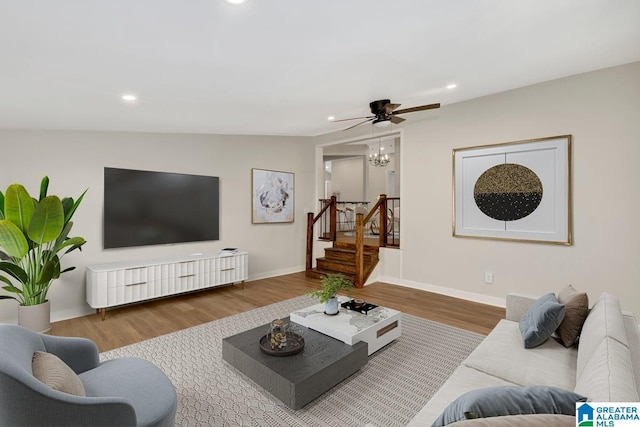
(379, 159)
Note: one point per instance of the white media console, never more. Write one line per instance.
(119, 283)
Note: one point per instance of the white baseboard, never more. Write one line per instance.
(470, 296)
(71, 314)
(274, 273)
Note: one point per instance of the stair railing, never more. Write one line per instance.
(361, 220)
(386, 222)
(328, 213)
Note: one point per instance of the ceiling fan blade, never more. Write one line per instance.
(420, 108)
(390, 107)
(357, 124)
(352, 118)
(395, 119)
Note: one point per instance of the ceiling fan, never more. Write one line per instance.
(384, 112)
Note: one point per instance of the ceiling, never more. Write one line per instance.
(281, 67)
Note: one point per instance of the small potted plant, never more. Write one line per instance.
(331, 285)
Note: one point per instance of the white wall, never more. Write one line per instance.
(75, 161)
(602, 111)
(347, 177)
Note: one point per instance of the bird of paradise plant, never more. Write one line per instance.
(32, 234)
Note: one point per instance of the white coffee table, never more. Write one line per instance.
(377, 328)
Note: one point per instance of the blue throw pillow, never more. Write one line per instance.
(509, 400)
(541, 320)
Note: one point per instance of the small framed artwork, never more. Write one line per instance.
(272, 199)
(515, 191)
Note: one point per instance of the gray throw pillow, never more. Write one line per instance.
(529, 420)
(541, 320)
(509, 400)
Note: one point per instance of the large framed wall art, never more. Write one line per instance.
(272, 196)
(516, 191)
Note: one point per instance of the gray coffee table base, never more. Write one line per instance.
(295, 380)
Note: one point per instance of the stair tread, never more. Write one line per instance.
(345, 245)
(366, 249)
(346, 253)
(325, 271)
(349, 256)
(335, 260)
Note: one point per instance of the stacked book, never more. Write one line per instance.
(229, 251)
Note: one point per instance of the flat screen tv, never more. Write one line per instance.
(155, 208)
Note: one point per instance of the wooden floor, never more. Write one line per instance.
(130, 324)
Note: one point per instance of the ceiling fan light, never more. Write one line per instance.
(381, 123)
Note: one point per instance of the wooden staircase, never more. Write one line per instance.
(355, 261)
(341, 258)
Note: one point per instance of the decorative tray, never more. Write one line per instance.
(295, 344)
(364, 308)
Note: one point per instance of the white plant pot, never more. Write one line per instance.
(35, 317)
(331, 306)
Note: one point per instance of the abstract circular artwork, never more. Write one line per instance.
(508, 192)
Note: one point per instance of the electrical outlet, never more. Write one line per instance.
(488, 277)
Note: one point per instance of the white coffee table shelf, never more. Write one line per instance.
(377, 328)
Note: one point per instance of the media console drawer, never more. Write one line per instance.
(114, 284)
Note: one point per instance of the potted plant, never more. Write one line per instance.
(32, 234)
(331, 285)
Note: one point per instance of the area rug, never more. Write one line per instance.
(388, 391)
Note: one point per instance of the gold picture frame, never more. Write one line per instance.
(518, 191)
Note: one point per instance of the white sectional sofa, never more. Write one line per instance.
(604, 366)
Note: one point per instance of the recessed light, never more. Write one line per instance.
(129, 97)
(331, 118)
(235, 1)
(452, 86)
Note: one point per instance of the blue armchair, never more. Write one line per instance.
(119, 392)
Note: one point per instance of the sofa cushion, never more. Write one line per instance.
(502, 355)
(462, 380)
(509, 400)
(533, 420)
(608, 376)
(49, 369)
(604, 320)
(633, 336)
(541, 320)
(576, 310)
